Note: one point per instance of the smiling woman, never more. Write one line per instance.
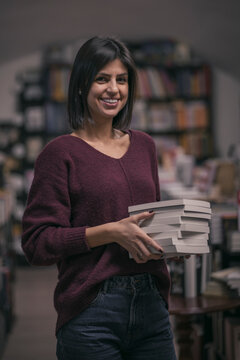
(89, 64)
(109, 92)
(110, 305)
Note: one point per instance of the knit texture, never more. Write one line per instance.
(76, 186)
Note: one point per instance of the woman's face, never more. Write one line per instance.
(109, 91)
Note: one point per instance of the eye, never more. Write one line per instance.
(101, 79)
(122, 80)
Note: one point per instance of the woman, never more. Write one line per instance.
(112, 293)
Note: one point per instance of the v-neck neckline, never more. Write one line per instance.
(102, 153)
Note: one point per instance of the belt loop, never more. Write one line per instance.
(105, 286)
(151, 281)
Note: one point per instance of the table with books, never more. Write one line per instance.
(185, 310)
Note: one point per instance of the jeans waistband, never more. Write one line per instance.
(131, 282)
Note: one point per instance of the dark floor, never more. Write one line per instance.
(32, 336)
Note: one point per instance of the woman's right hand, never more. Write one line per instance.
(131, 237)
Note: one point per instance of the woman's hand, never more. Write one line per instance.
(131, 237)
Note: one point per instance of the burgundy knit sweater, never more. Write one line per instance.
(76, 186)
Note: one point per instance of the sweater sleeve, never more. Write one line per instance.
(47, 235)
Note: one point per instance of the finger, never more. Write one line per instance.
(142, 216)
(143, 251)
(153, 244)
(139, 257)
(157, 256)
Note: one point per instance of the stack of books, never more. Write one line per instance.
(181, 226)
(229, 276)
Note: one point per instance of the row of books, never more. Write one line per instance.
(57, 83)
(180, 226)
(172, 116)
(162, 51)
(50, 118)
(158, 83)
(233, 241)
(229, 277)
(197, 144)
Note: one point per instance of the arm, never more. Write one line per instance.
(47, 233)
(127, 234)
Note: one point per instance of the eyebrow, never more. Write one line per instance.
(106, 74)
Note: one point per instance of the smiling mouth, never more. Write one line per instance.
(110, 101)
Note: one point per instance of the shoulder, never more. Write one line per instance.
(142, 138)
(56, 150)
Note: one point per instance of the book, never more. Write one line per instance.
(181, 241)
(200, 205)
(171, 220)
(181, 250)
(175, 234)
(180, 228)
(230, 276)
(232, 337)
(181, 212)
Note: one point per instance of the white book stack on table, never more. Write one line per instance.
(180, 226)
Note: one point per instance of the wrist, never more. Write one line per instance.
(101, 234)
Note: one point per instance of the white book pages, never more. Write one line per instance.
(151, 229)
(168, 203)
(155, 219)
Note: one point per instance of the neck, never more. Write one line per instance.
(97, 132)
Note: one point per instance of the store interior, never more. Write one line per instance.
(188, 100)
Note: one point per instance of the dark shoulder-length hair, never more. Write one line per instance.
(93, 55)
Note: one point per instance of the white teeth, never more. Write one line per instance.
(111, 101)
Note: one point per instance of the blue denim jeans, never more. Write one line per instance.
(128, 320)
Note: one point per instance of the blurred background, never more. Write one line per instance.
(188, 61)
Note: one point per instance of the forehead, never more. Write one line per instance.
(115, 66)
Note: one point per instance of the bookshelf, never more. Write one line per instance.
(41, 105)
(6, 267)
(209, 314)
(174, 97)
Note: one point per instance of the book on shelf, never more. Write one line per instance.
(232, 337)
(216, 288)
(230, 276)
(156, 84)
(233, 241)
(161, 117)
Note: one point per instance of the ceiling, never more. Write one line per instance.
(210, 27)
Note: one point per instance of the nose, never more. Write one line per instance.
(112, 86)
